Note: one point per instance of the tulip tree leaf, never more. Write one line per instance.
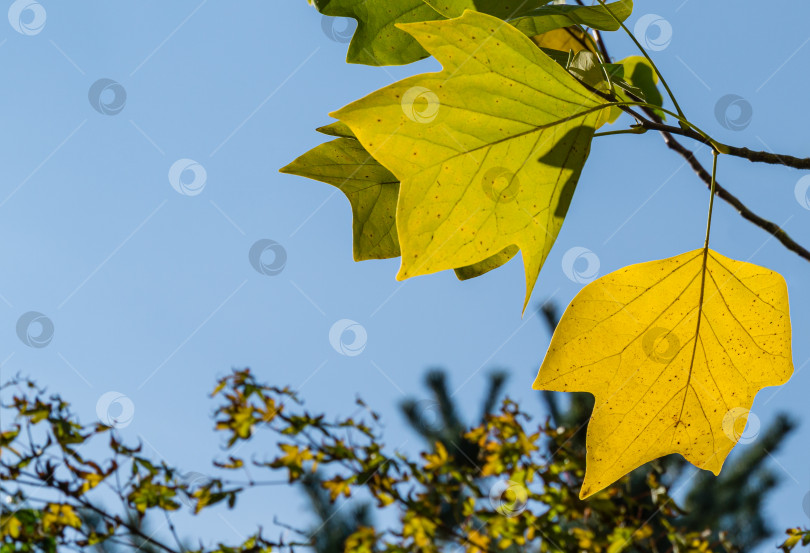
(549, 18)
(639, 73)
(336, 129)
(377, 40)
(488, 151)
(371, 189)
(503, 9)
(674, 352)
(372, 192)
(565, 39)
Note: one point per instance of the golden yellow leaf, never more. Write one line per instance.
(10, 526)
(565, 39)
(674, 352)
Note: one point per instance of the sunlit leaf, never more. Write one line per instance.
(674, 352)
(372, 191)
(488, 151)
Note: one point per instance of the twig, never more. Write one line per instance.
(769, 226)
(672, 143)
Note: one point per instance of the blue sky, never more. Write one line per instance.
(151, 291)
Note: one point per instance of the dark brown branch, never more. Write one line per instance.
(765, 157)
(667, 132)
(769, 226)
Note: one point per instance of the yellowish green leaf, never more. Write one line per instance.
(503, 9)
(567, 39)
(549, 18)
(674, 352)
(488, 151)
(345, 164)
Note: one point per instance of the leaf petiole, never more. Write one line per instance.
(649, 59)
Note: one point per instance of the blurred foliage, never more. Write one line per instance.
(506, 483)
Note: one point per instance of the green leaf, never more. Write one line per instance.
(377, 40)
(371, 189)
(487, 265)
(639, 73)
(488, 151)
(503, 9)
(558, 16)
(336, 129)
(372, 192)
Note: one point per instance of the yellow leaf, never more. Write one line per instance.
(60, 515)
(565, 39)
(674, 352)
(437, 460)
(488, 151)
(11, 526)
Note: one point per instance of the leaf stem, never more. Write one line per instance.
(633, 130)
(711, 199)
(646, 55)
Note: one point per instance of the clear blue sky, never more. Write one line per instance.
(151, 292)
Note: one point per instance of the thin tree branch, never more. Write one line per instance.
(672, 143)
(768, 226)
(766, 157)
